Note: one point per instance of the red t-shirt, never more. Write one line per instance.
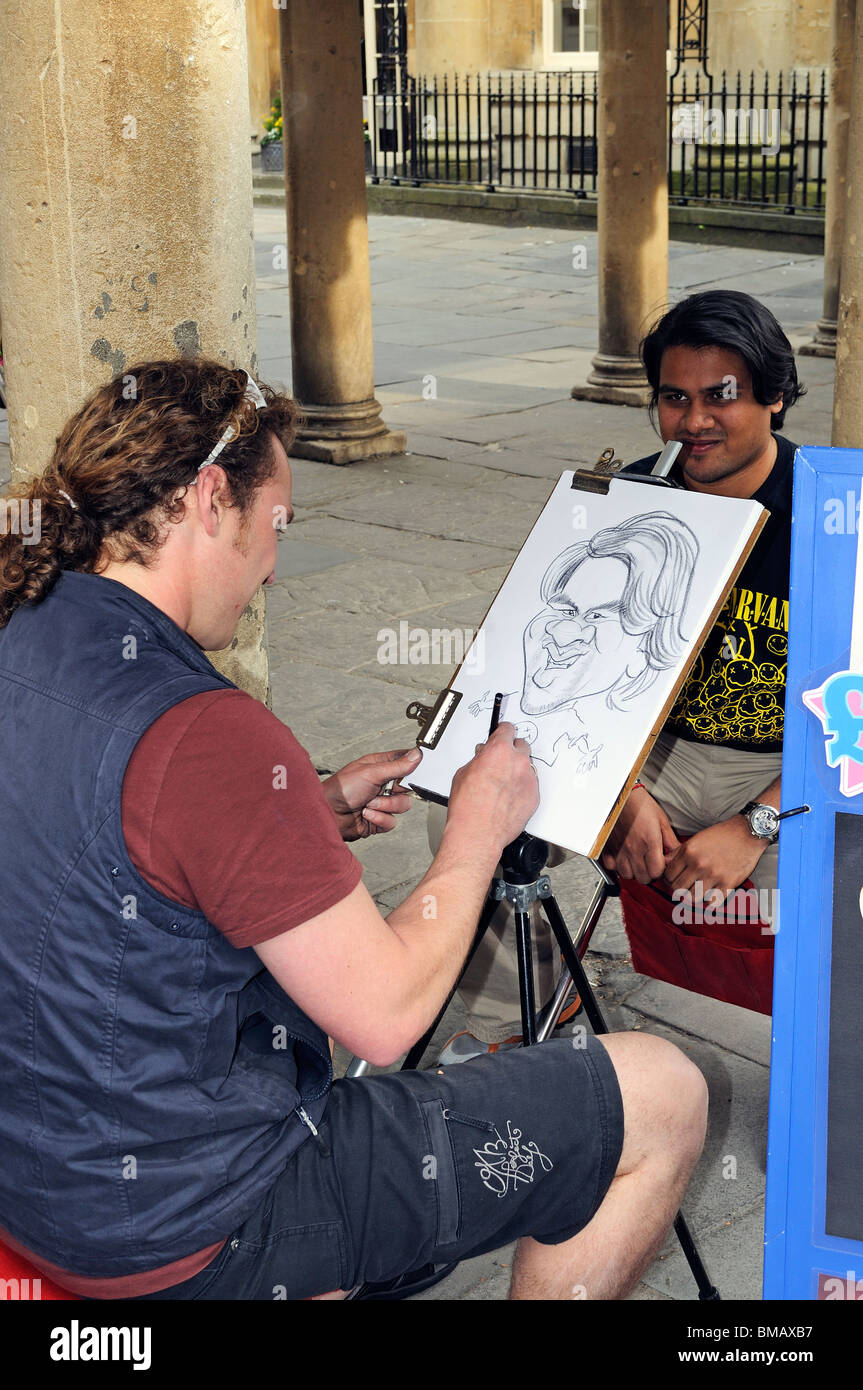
(224, 812)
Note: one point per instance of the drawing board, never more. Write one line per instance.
(589, 638)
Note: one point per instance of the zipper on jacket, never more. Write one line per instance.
(307, 1120)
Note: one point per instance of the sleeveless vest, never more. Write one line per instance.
(154, 1079)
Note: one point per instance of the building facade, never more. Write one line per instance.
(430, 38)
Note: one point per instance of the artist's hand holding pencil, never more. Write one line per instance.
(496, 793)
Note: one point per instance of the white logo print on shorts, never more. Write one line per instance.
(507, 1161)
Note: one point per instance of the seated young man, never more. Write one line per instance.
(722, 377)
(183, 925)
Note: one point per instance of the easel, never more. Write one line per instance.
(523, 883)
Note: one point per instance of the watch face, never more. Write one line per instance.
(764, 821)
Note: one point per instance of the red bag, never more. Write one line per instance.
(731, 960)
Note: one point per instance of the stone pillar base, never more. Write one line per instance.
(824, 342)
(341, 451)
(613, 395)
(618, 380)
(346, 433)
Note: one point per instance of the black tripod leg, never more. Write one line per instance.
(707, 1292)
(706, 1289)
(525, 978)
(574, 965)
(415, 1056)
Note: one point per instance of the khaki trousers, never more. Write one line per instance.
(697, 785)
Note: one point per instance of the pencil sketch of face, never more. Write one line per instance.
(611, 619)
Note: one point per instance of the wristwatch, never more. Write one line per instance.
(763, 820)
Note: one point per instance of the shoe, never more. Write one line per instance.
(463, 1046)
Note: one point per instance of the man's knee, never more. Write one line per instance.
(664, 1099)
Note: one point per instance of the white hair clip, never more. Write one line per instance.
(253, 393)
(72, 504)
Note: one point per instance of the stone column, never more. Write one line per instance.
(847, 398)
(838, 113)
(328, 244)
(632, 215)
(125, 213)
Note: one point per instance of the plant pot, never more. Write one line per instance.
(273, 157)
(368, 148)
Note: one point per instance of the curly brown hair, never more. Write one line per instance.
(122, 458)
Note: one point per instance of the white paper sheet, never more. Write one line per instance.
(604, 607)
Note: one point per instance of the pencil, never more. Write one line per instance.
(495, 713)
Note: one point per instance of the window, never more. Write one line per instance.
(575, 26)
(570, 33)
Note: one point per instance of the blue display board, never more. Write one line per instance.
(814, 1214)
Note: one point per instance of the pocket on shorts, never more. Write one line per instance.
(439, 1167)
(438, 1119)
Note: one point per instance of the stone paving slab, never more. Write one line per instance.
(344, 641)
(332, 712)
(713, 266)
(390, 588)
(300, 557)
(438, 446)
(792, 313)
(741, 1031)
(553, 379)
(396, 544)
(445, 328)
(315, 484)
(434, 515)
(485, 428)
(736, 1129)
(395, 363)
(464, 613)
(528, 465)
(732, 1255)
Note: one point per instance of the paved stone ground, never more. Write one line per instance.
(479, 334)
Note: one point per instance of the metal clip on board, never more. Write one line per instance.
(607, 467)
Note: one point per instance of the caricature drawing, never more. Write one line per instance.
(611, 621)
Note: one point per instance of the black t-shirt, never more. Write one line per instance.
(734, 696)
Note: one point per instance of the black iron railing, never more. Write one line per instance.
(756, 142)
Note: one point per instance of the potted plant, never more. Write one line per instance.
(272, 148)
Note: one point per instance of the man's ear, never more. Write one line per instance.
(213, 495)
(776, 406)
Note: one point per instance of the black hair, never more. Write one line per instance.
(735, 321)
